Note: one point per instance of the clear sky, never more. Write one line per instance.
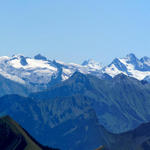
(75, 30)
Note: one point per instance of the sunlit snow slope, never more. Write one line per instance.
(39, 71)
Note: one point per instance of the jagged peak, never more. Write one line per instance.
(78, 76)
(17, 56)
(92, 64)
(40, 57)
(89, 61)
(145, 59)
(77, 73)
(20, 57)
(121, 76)
(131, 57)
(116, 60)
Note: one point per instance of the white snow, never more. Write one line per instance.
(11, 77)
(140, 75)
(3, 58)
(131, 71)
(113, 71)
(41, 71)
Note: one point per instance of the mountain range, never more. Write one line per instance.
(74, 107)
(39, 73)
(13, 136)
(79, 112)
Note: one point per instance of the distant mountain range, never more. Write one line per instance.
(74, 114)
(123, 99)
(76, 107)
(39, 73)
(131, 66)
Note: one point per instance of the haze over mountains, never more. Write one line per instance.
(39, 73)
(74, 107)
(78, 109)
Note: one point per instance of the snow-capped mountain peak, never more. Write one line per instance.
(131, 57)
(40, 57)
(17, 56)
(39, 71)
(129, 65)
(19, 59)
(92, 64)
(145, 60)
(89, 61)
(3, 58)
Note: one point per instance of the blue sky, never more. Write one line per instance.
(75, 30)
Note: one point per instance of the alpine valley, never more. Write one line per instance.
(77, 107)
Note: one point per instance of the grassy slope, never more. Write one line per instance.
(18, 130)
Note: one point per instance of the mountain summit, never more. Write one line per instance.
(40, 57)
(39, 73)
(92, 64)
(131, 66)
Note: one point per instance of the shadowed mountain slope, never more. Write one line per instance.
(11, 87)
(13, 137)
(123, 100)
(68, 123)
(65, 110)
(137, 139)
